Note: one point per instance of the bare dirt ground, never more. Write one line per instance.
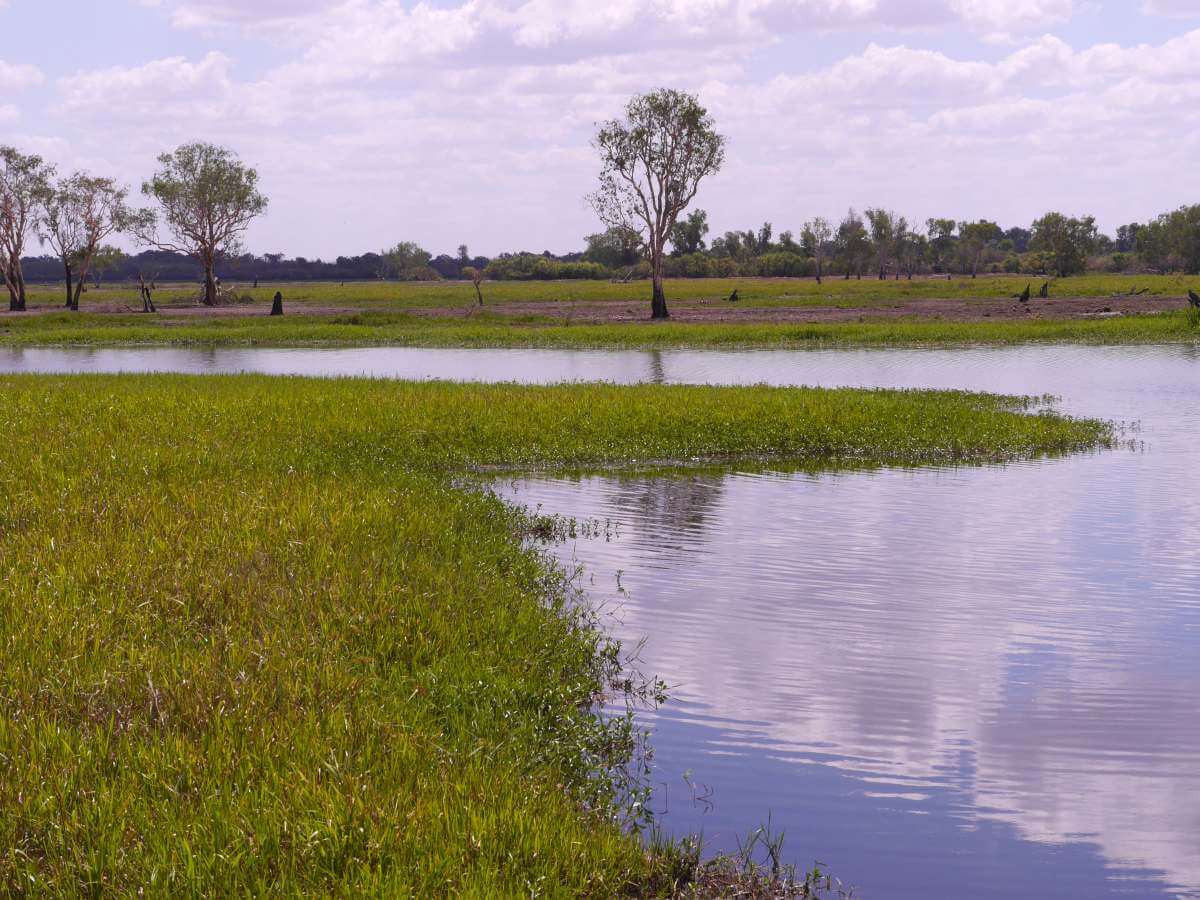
(712, 312)
(717, 312)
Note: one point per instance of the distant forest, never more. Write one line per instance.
(877, 243)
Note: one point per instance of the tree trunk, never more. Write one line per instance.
(210, 284)
(818, 271)
(479, 294)
(79, 285)
(658, 304)
(70, 292)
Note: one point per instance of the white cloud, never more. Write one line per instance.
(14, 76)
(472, 122)
(158, 90)
(1179, 9)
(546, 23)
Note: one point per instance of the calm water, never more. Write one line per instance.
(977, 682)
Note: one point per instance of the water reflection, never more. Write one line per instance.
(942, 682)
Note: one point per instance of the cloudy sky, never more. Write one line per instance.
(373, 121)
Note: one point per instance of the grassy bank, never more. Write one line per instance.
(399, 329)
(855, 293)
(255, 641)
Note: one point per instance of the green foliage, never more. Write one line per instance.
(207, 197)
(1067, 241)
(531, 267)
(407, 261)
(780, 265)
(1172, 241)
(687, 237)
(614, 247)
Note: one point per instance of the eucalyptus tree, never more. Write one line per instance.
(976, 239)
(652, 163)
(852, 243)
(77, 215)
(407, 261)
(687, 237)
(815, 239)
(106, 259)
(207, 198)
(941, 241)
(1068, 241)
(887, 230)
(24, 185)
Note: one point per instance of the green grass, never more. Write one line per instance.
(380, 295)
(259, 638)
(399, 329)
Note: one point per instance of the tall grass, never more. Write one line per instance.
(255, 640)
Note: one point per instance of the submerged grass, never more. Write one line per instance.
(400, 329)
(255, 640)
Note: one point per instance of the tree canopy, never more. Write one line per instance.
(652, 163)
(207, 198)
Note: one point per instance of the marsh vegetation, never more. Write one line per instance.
(256, 639)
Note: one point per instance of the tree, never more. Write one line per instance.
(886, 229)
(207, 199)
(815, 241)
(476, 277)
(24, 185)
(913, 251)
(941, 241)
(1020, 239)
(1127, 237)
(76, 216)
(615, 246)
(407, 261)
(652, 163)
(787, 244)
(976, 239)
(852, 243)
(1067, 240)
(106, 259)
(760, 242)
(688, 236)
(1172, 240)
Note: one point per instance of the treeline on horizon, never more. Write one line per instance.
(877, 243)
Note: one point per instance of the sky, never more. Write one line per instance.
(376, 121)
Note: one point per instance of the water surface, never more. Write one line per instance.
(940, 682)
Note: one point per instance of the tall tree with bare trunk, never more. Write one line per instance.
(815, 240)
(24, 185)
(76, 217)
(652, 163)
(207, 198)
